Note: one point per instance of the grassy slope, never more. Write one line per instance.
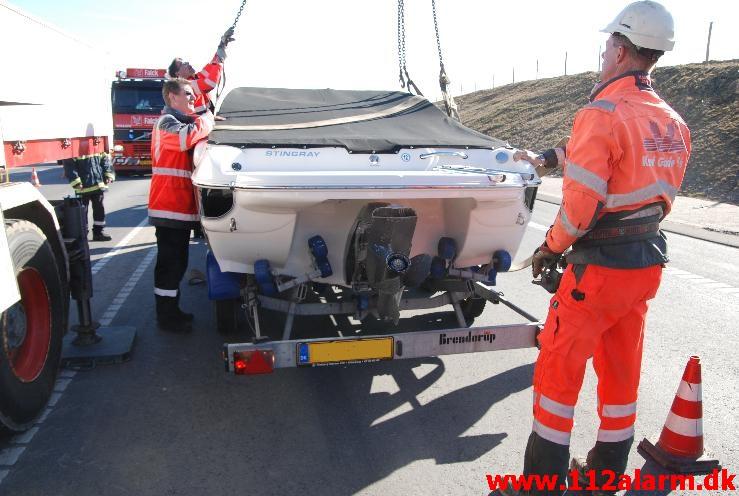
(535, 114)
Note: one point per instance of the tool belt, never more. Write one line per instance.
(611, 235)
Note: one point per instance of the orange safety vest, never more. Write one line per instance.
(626, 159)
(171, 194)
(207, 80)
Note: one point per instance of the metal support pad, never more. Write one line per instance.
(114, 347)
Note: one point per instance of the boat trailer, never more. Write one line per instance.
(263, 355)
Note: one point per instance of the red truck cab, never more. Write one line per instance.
(137, 104)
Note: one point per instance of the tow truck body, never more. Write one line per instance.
(43, 252)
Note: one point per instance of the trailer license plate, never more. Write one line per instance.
(345, 351)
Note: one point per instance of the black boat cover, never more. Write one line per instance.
(360, 121)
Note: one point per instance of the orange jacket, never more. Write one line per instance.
(207, 80)
(628, 150)
(171, 194)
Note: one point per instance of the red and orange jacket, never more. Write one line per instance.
(626, 160)
(207, 80)
(171, 194)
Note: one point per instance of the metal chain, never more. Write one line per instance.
(436, 29)
(401, 42)
(405, 78)
(451, 106)
(238, 14)
(222, 82)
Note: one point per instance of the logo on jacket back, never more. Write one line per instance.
(667, 143)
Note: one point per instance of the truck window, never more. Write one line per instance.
(129, 99)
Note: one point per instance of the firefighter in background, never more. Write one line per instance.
(624, 164)
(89, 176)
(208, 78)
(172, 208)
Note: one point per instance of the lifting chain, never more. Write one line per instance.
(444, 81)
(219, 90)
(238, 14)
(405, 79)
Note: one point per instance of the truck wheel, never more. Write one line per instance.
(226, 314)
(31, 330)
(472, 308)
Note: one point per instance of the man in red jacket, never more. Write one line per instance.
(623, 167)
(208, 78)
(172, 208)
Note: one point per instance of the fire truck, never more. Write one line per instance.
(137, 101)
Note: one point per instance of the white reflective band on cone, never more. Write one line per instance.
(689, 391)
(684, 426)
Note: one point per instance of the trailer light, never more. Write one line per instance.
(254, 362)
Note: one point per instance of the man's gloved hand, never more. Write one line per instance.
(543, 257)
(227, 37)
(528, 156)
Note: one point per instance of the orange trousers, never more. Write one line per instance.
(599, 314)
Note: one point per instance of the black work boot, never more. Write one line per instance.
(546, 458)
(610, 457)
(168, 318)
(100, 236)
(186, 316)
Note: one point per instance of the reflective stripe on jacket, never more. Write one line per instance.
(171, 194)
(206, 80)
(87, 174)
(628, 149)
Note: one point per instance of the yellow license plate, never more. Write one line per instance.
(345, 351)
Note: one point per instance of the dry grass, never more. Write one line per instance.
(535, 114)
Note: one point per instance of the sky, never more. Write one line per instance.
(352, 44)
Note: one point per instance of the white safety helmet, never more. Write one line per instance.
(646, 24)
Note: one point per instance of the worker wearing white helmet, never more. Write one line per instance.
(623, 166)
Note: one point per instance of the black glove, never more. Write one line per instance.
(543, 257)
(227, 37)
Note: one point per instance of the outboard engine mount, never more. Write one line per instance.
(379, 255)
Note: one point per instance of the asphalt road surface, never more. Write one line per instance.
(170, 421)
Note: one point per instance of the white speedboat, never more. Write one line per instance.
(372, 191)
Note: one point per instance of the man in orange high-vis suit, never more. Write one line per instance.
(208, 78)
(624, 164)
(172, 208)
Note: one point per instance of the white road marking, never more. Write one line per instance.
(9, 456)
(25, 437)
(126, 290)
(121, 244)
(538, 226)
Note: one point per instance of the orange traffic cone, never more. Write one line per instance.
(34, 177)
(680, 446)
